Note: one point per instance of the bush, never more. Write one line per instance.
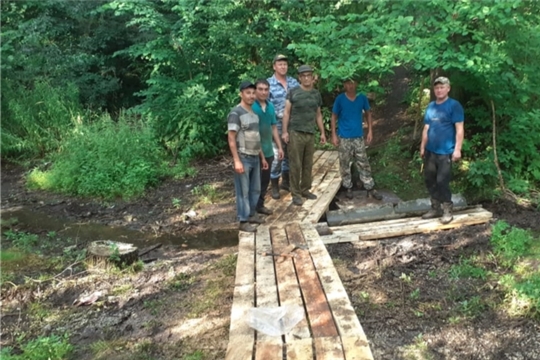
(105, 159)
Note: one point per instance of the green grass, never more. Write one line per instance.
(467, 270)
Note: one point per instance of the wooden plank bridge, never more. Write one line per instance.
(285, 263)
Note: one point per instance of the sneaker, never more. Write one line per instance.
(374, 194)
(247, 227)
(349, 194)
(255, 219)
(309, 195)
(297, 201)
(264, 210)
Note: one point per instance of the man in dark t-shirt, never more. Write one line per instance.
(302, 113)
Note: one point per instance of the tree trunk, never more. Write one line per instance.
(106, 253)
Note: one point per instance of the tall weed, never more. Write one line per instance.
(36, 120)
(106, 159)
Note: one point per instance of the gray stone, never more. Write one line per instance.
(361, 215)
(418, 206)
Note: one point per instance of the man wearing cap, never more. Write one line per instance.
(245, 144)
(442, 139)
(280, 84)
(302, 112)
(268, 130)
(348, 110)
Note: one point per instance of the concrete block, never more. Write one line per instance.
(362, 215)
(412, 207)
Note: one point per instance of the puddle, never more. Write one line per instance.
(37, 222)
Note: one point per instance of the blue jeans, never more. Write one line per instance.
(247, 186)
(279, 165)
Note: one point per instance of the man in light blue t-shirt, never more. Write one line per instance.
(347, 112)
(442, 138)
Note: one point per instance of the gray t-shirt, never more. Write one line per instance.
(246, 124)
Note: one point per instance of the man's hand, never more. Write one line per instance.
(285, 137)
(238, 167)
(456, 155)
(264, 164)
(369, 137)
(335, 140)
(422, 152)
(281, 154)
(323, 139)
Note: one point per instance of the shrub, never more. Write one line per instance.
(107, 159)
(42, 348)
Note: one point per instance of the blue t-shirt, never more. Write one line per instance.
(350, 115)
(441, 119)
(266, 120)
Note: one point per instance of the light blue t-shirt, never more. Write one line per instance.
(350, 116)
(441, 119)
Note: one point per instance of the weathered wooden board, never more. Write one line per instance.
(407, 226)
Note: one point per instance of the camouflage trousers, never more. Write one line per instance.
(354, 150)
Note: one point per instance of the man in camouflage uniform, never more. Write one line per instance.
(347, 113)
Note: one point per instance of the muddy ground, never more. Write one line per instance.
(178, 305)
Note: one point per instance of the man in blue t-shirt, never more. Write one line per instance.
(347, 112)
(442, 138)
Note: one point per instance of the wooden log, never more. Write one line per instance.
(107, 253)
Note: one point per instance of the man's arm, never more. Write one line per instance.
(264, 163)
(369, 126)
(424, 140)
(285, 120)
(333, 121)
(460, 133)
(238, 166)
(321, 125)
(277, 140)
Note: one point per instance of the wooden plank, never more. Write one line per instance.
(328, 348)
(401, 227)
(245, 263)
(356, 349)
(319, 314)
(241, 336)
(267, 347)
(287, 283)
(300, 349)
(347, 321)
(329, 189)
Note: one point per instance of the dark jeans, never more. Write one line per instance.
(265, 180)
(437, 175)
(301, 150)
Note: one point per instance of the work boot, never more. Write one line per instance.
(285, 184)
(245, 226)
(435, 210)
(309, 195)
(275, 188)
(447, 212)
(255, 219)
(349, 193)
(264, 210)
(374, 194)
(296, 200)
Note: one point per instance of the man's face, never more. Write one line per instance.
(306, 78)
(248, 96)
(441, 91)
(281, 67)
(262, 92)
(350, 85)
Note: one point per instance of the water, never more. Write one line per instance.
(39, 222)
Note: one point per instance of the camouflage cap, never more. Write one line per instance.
(441, 80)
